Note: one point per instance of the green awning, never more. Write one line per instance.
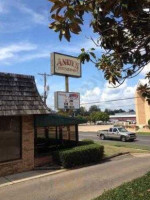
(56, 120)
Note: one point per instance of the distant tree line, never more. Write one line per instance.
(94, 113)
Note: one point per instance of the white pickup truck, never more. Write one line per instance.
(119, 133)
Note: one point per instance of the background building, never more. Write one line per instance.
(142, 110)
(123, 117)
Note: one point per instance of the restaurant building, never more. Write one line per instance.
(27, 125)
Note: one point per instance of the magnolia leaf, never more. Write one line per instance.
(93, 55)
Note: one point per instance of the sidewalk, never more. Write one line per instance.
(26, 176)
(41, 172)
(80, 184)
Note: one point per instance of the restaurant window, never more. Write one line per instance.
(10, 138)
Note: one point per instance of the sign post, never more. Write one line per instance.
(67, 83)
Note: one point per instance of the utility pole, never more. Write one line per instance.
(45, 85)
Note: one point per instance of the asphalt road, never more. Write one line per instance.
(141, 140)
(79, 184)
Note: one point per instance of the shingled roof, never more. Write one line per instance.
(19, 96)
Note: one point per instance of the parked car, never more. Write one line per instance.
(100, 123)
(119, 133)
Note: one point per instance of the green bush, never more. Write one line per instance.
(86, 142)
(81, 155)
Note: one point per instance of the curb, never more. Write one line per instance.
(32, 178)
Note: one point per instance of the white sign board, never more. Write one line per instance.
(67, 100)
(65, 65)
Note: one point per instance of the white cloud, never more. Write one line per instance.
(33, 56)
(143, 82)
(146, 69)
(1, 8)
(38, 18)
(90, 95)
(28, 16)
(107, 94)
(27, 51)
(12, 51)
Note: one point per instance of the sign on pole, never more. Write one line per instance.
(65, 65)
(67, 100)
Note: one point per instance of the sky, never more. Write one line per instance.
(26, 43)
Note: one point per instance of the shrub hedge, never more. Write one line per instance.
(85, 142)
(80, 155)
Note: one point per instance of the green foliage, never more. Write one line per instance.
(134, 190)
(99, 116)
(122, 28)
(94, 108)
(137, 128)
(81, 117)
(86, 142)
(113, 112)
(65, 113)
(81, 155)
(81, 111)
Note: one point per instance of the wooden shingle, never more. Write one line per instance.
(19, 96)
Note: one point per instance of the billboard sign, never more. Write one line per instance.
(65, 65)
(67, 100)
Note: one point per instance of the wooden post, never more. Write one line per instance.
(67, 88)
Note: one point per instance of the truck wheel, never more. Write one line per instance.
(123, 139)
(132, 140)
(102, 137)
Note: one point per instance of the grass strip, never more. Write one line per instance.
(127, 145)
(143, 133)
(138, 189)
(112, 150)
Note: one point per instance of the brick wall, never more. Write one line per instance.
(41, 161)
(142, 110)
(27, 161)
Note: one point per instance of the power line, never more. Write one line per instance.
(124, 105)
(114, 106)
(99, 102)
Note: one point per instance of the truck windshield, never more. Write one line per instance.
(122, 130)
